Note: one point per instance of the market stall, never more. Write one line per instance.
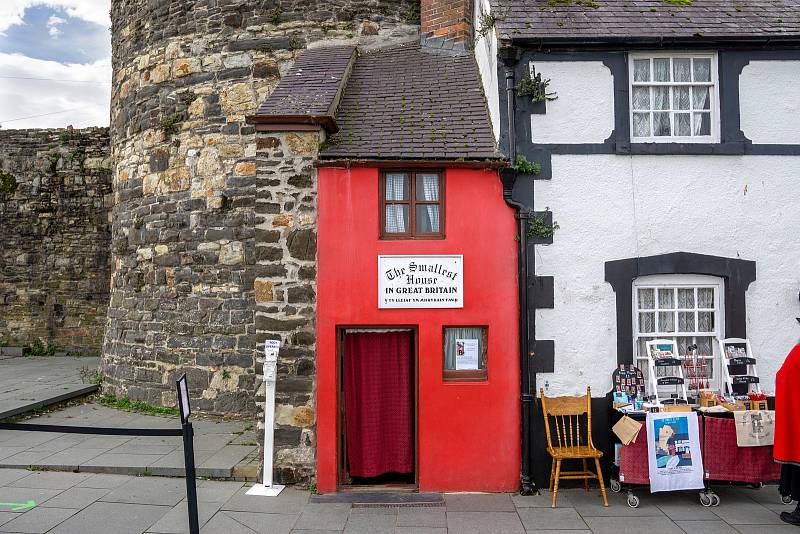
(693, 437)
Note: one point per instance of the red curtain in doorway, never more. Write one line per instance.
(378, 403)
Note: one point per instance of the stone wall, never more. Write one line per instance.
(286, 251)
(55, 233)
(194, 227)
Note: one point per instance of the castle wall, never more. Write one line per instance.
(55, 196)
(194, 225)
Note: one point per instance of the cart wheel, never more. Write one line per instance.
(705, 499)
(715, 500)
(616, 487)
(633, 500)
(786, 499)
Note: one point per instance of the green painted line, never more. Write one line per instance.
(19, 506)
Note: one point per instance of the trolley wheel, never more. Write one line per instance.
(705, 499)
(633, 500)
(786, 499)
(615, 486)
(715, 500)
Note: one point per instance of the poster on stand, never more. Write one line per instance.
(674, 455)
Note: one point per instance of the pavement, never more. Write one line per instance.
(223, 448)
(27, 383)
(84, 503)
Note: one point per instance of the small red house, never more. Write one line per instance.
(417, 349)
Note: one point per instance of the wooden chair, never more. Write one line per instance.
(573, 440)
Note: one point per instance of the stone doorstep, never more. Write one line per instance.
(12, 352)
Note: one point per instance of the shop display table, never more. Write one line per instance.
(723, 460)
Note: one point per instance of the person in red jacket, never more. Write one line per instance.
(787, 431)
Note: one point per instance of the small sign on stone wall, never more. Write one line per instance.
(421, 281)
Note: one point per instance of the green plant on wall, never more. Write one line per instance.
(539, 227)
(169, 125)
(8, 184)
(535, 87)
(40, 348)
(524, 166)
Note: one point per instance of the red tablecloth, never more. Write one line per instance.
(724, 460)
(633, 467)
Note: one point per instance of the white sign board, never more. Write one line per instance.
(421, 281)
(673, 446)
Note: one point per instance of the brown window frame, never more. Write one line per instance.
(412, 204)
(465, 375)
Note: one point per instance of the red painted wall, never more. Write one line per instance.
(468, 433)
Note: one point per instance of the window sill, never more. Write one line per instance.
(672, 148)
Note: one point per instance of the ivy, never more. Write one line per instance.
(169, 125)
(524, 166)
(8, 183)
(538, 226)
(535, 87)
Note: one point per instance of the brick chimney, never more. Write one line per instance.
(446, 23)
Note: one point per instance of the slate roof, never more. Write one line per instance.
(312, 85)
(647, 20)
(409, 103)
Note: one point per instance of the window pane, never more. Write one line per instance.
(660, 97)
(683, 124)
(700, 98)
(464, 348)
(686, 298)
(661, 69)
(666, 321)
(647, 322)
(705, 297)
(647, 299)
(705, 348)
(685, 321)
(427, 187)
(702, 124)
(641, 70)
(681, 69)
(397, 186)
(702, 70)
(666, 298)
(641, 125)
(427, 218)
(680, 97)
(396, 218)
(661, 124)
(641, 98)
(705, 321)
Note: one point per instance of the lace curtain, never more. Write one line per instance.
(427, 215)
(396, 214)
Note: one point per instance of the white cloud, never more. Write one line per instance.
(97, 11)
(78, 104)
(52, 25)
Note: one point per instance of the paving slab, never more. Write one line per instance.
(149, 490)
(105, 517)
(324, 516)
(50, 480)
(216, 455)
(176, 521)
(290, 501)
(28, 383)
(494, 522)
(707, 527)
(542, 518)
(484, 502)
(632, 525)
(739, 513)
(421, 517)
(38, 520)
(264, 523)
(75, 498)
(369, 524)
(222, 523)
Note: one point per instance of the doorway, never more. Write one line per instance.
(377, 408)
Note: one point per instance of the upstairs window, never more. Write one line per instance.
(674, 98)
(412, 205)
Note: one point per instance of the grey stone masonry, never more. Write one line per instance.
(286, 251)
(55, 261)
(199, 238)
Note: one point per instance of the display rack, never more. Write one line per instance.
(662, 354)
(736, 352)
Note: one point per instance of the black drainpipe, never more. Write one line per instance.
(523, 215)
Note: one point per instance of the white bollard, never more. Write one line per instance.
(267, 489)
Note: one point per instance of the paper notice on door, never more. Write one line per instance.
(467, 354)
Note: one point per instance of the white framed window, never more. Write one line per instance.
(674, 98)
(688, 309)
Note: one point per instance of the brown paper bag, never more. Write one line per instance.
(627, 429)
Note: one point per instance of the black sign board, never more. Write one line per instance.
(670, 381)
(745, 379)
(183, 398)
(628, 379)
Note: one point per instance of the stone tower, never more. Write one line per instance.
(194, 245)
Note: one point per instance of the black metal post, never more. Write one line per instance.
(191, 482)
